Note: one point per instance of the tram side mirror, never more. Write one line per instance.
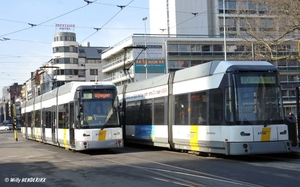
(120, 109)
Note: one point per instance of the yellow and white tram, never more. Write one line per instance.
(223, 107)
(66, 117)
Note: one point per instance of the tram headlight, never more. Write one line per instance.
(245, 146)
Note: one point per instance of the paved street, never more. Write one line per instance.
(33, 164)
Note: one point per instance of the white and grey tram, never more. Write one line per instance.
(223, 107)
(66, 117)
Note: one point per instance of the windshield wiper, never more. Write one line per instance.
(268, 121)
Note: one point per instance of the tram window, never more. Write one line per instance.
(63, 116)
(48, 117)
(60, 116)
(198, 108)
(145, 113)
(24, 119)
(29, 119)
(37, 118)
(159, 111)
(215, 107)
(181, 109)
(132, 109)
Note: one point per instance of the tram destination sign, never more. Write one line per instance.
(258, 79)
(96, 95)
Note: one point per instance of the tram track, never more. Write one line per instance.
(172, 174)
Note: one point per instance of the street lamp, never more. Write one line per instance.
(145, 49)
(224, 28)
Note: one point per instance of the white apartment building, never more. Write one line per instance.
(177, 17)
(72, 62)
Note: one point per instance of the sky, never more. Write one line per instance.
(27, 29)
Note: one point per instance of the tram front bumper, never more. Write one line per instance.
(86, 145)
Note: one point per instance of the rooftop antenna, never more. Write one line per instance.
(96, 80)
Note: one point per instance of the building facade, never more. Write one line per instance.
(193, 33)
(70, 62)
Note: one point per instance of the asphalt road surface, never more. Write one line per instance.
(29, 163)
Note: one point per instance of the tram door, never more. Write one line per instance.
(32, 124)
(53, 124)
(72, 125)
(26, 124)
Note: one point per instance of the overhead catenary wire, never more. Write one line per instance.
(94, 2)
(99, 28)
(194, 15)
(34, 25)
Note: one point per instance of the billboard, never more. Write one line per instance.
(154, 59)
(153, 66)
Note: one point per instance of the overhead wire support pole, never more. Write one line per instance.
(224, 28)
(146, 60)
(131, 47)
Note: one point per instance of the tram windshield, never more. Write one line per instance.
(258, 99)
(100, 111)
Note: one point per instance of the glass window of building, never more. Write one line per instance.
(206, 48)
(251, 8)
(93, 71)
(262, 8)
(231, 24)
(184, 47)
(267, 25)
(172, 47)
(195, 47)
(218, 47)
(231, 5)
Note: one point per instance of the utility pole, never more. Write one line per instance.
(224, 27)
(145, 59)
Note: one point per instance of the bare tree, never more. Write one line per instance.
(269, 27)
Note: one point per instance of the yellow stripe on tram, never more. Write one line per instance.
(194, 138)
(37, 134)
(65, 139)
(266, 134)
